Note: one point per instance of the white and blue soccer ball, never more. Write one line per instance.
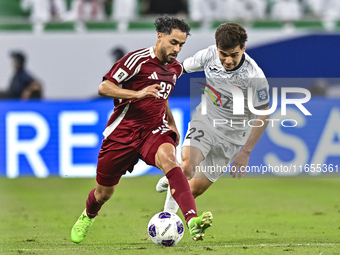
(165, 229)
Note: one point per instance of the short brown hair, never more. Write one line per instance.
(230, 35)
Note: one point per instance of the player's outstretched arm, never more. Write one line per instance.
(242, 158)
(109, 89)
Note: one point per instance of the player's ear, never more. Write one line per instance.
(160, 36)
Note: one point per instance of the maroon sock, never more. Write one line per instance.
(92, 206)
(182, 194)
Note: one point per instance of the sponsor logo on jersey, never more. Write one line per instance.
(153, 76)
(174, 79)
(192, 211)
(120, 75)
(213, 69)
(163, 130)
(262, 94)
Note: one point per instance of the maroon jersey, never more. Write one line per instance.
(137, 118)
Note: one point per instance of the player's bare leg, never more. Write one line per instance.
(191, 157)
(199, 184)
(170, 203)
(180, 191)
(96, 199)
(165, 157)
(102, 193)
(188, 165)
(179, 188)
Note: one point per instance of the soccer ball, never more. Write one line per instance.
(165, 229)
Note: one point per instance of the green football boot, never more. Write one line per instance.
(198, 225)
(81, 227)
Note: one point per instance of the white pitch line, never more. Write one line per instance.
(200, 246)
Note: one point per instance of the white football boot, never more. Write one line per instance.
(162, 184)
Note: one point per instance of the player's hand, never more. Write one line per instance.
(240, 164)
(151, 90)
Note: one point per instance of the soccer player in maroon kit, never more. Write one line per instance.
(142, 126)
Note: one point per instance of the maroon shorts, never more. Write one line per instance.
(115, 158)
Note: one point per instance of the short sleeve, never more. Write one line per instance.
(197, 62)
(260, 91)
(125, 67)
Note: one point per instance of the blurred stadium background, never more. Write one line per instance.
(70, 52)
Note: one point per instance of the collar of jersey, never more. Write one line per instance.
(152, 53)
(238, 66)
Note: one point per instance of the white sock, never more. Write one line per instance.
(188, 224)
(170, 203)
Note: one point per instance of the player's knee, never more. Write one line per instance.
(189, 168)
(186, 169)
(166, 159)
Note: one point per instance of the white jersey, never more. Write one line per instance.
(235, 128)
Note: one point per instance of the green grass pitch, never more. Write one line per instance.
(251, 216)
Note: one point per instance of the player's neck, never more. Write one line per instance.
(158, 54)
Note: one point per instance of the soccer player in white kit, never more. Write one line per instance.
(215, 139)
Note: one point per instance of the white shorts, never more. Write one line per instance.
(218, 153)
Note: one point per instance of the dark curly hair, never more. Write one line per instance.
(230, 35)
(166, 24)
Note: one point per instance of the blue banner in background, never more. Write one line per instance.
(293, 57)
(63, 138)
(312, 146)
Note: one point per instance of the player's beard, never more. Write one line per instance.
(165, 56)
